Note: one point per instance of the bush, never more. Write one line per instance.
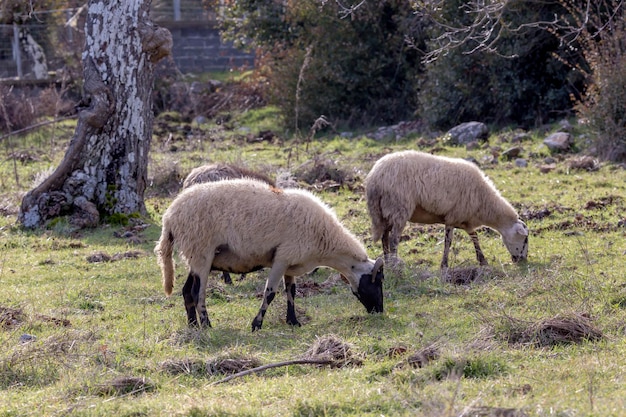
(355, 69)
(604, 106)
(522, 83)
(17, 110)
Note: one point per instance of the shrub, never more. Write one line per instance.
(521, 83)
(355, 69)
(604, 105)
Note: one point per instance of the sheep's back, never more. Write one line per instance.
(446, 187)
(250, 217)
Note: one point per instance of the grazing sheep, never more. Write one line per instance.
(219, 172)
(423, 188)
(290, 231)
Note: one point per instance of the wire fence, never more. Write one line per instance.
(37, 52)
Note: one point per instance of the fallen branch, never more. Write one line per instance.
(38, 125)
(262, 368)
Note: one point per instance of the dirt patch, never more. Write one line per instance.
(98, 257)
(584, 163)
(332, 348)
(14, 317)
(603, 202)
(325, 174)
(492, 412)
(466, 275)
(122, 386)
(424, 356)
(11, 317)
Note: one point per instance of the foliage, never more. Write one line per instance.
(604, 104)
(355, 70)
(519, 80)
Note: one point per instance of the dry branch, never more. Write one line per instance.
(259, 369)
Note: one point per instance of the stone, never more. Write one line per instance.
(558, 142)
(512, 153)
(467, 132)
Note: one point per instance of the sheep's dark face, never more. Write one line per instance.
(370, 291)
(516, 241)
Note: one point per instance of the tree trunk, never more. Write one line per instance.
(105, 167)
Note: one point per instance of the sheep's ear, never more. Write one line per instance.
(344, 279)
(520, 227)
(377, 266)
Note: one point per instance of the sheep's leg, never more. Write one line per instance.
(290, 290)
(275, 275)
(227, 278)
(394, 242)
(449, 234)
(200, 294)
(479, 253)
(191, 291)
(385, 243)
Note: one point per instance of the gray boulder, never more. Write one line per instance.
(467, 132)
(558, 142)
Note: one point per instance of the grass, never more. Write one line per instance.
(99, 338)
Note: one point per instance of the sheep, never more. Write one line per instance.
(219, 172)
(422, 188)
(222, 171)
(290, 231)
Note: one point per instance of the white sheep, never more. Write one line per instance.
(222, 171)
(290, 231)
(422, 188)
(218, 172)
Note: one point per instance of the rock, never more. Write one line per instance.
(558, 142)
(520, 137)
(27, 338)
(586, 163)
(512, 153)
(467, 132)
(521, 163)
(565, 125)
(85, 214)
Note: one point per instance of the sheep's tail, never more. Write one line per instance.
(163, 250)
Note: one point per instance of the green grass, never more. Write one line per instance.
(97, 323)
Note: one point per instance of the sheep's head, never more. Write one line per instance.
(516, 241)
(370, 288)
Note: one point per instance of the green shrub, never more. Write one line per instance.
(521, 82)
(355, 69)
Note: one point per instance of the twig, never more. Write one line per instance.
(262, 368)
(27, 128)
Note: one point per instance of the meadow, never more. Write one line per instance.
(86, 330)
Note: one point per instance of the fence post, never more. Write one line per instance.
(17, 54)
(177, 10)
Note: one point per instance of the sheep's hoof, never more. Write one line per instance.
(294, 322)
(256, 324)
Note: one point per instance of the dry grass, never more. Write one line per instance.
(559, 330)
(425, 355)
(332, 348)
(232, 365)
(123, 386)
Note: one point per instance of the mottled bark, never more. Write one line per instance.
(105, 167)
